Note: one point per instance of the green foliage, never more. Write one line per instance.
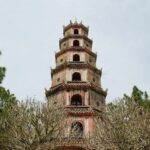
(7, 103)
(140, 97)
(6, 98)
(2, 73)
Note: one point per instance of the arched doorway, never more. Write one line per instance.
(76, 31)
(76, 100)
(76, 76)
(75, 43)
(76, 57)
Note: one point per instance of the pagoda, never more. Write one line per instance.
(76, 84)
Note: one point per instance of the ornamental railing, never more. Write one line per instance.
(79, 109)
(77, 82)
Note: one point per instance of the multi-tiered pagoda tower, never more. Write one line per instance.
(76, 83)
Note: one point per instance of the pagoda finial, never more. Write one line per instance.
(75, 19)
(70, 22)
(76, 22)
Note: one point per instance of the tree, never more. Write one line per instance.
(124, 126)
(7, 103)
(6, 98)
(2, 72)
(140, 97)
(28, 125)
(32, 125)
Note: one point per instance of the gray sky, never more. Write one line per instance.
(30, 32)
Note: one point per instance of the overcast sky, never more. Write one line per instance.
(30, 32)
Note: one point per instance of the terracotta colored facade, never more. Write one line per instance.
(76, 82)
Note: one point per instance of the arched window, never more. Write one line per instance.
(76, 57)
(75, 43)
(76, 76)
(77, 129)
(76, 100)
(76, 31)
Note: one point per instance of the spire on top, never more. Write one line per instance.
(75, 24)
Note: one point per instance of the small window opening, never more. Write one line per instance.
(76, 77)
(76, 100)
(75, 43)
(76, 57)
(76, 31)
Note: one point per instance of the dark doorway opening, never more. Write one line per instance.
(75, 43)
(76, 76)
(76, 100)
(76, 57)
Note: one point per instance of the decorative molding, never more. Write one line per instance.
(77, 49)
(75, 65)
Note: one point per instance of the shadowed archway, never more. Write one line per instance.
(76, 100)
(76, 43)
(76, 76)
(76, 57)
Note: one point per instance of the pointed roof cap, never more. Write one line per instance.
(75, 24)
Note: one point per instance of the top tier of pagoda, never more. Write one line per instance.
(76, 38)
(75, 31)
